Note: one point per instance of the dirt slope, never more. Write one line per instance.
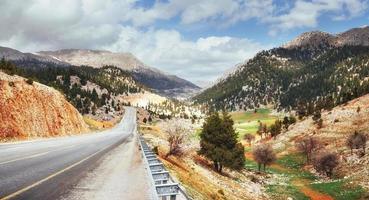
(35, 110)
(338, 124)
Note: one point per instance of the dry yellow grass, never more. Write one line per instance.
(195, 183)
(98, 125)
(195, 173)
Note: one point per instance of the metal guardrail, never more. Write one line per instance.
(161, 180)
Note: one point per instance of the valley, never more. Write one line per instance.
(290, 123)
(312, 89)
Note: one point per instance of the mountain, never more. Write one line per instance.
(15, 55)
(316, 70)
(162, 83)
(30, 109)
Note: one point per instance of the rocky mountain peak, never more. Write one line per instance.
(311, 39)
(95, 58)
(316, 39)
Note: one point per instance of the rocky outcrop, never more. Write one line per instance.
(313, 39)
(29, 109)
(317, 39)
(95, 58)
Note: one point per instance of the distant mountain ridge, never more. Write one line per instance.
(158, 81)
(163, 83)
(12, 54)
(315, 70)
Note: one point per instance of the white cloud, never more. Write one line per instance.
(201, 60)
(194, 11)
(306, 13)
(121, 25)
(302, 13)
(42, 25)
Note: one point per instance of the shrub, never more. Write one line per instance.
(29, 81)
(325, 163)
(249, 137)
(320, 123)
(156, 150)
(356, 140)
(150, 119)
(317, 115)
(287, 121)
(276, 128)
(292, 119)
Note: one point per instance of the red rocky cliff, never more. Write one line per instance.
(35, 110)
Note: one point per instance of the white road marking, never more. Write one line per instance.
(34, 155)
(50, 176)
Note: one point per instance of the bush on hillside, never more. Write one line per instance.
(325, 163)
(264, 155)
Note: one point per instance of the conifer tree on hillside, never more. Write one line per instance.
(219, 143)
(276, 128)
(8, 67)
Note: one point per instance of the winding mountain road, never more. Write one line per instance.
(54, 168)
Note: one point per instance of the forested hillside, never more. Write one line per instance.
(87, 88)
(318, 74)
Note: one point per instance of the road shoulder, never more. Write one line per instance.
(120, 175)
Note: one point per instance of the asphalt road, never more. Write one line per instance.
(48, 169)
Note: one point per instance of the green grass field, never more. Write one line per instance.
(341, 190)
(290, 166)
(248, 122)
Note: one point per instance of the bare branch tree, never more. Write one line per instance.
(249, 137)
(264, 155)
(307, 146)
(176, 136)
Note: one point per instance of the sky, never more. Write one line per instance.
(199, 40)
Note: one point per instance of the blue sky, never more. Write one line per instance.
(198, 40)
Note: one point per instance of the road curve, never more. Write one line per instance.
(48, 169)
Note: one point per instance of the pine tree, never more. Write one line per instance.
(219, 143)
(94, 96)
